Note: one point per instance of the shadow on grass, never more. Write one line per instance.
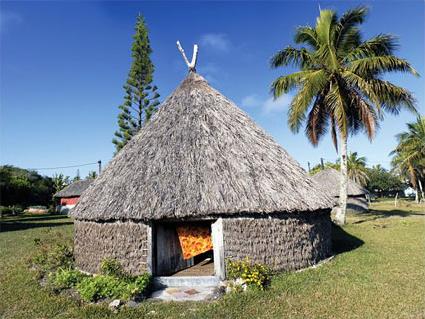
(33, 221)
(342, 241)
(372, 214)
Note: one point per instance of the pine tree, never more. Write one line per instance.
(141, 96)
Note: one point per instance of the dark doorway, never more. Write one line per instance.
(183, 249)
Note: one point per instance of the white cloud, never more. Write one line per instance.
(7, 19)
(217, 41)
(279, 105)
(270, 105)
(251, 101)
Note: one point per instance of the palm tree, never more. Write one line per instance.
(339, 83)
(409, 155)
(413, 141)
(356, 167)
(317, 168)
(91, 175)
(60, 182)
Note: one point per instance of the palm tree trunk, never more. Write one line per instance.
(414, 181)
(422, 190)
(340, 213)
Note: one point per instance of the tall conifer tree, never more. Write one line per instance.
(141, 96)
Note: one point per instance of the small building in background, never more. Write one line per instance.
(69, 196)
(357, 195)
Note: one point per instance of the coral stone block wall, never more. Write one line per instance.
(125, 241)
(284, 241)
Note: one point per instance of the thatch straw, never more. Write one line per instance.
(199, 156)
(74, 189)
(329, 180)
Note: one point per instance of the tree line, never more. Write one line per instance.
(407, 165)
(21, 188)
(376, 179)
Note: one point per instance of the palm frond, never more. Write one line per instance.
(363, 85)
(291, 56)
(284, 84)
(307, 35)
(312, 84)
(325, 30)
(334, 134)
(409, 155)
(381, 64)
(368, 118)
(393, 97)
(317, 120)
(380, 45)
(350, 41)
(336, 104)
(347, 33)
(362, 115)
(325, 25)
(353, 17)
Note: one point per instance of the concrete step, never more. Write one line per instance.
(186, 294)
(185, 281)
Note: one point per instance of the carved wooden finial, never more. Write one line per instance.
(191, 65)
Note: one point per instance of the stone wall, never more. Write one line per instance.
(125, 241)
(284, 241)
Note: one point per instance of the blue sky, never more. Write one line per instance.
(63, 65)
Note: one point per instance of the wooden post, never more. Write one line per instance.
(150, 265)
(191, 65)
(395, 199)
(218, 249)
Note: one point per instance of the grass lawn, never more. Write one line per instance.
(379, 272)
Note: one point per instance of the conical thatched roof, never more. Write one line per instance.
(74, 189)
(329, 179)
(200, 155)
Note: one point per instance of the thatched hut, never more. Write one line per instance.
(201, 179)
(68, 197)
(329, 180)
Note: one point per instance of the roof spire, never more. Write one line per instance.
(192, 64)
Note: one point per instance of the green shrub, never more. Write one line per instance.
(107, 286)
(66, 278)
(49, 257)
(113, 283)
(111, 267)
(10, 210)
(143, 281)
(56, 262)
(95, 288)
(253, 274)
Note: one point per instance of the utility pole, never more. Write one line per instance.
(309, 170)
(99, 163)
(321, 163)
